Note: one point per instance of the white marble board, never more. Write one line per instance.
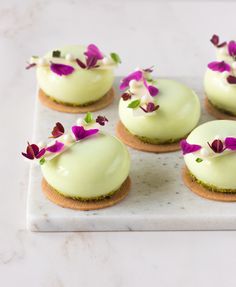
(158, 199)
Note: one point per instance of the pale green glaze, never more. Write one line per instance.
(219, 92)
(218, 171)
(178, 114)
(78, 88)
(91, 168)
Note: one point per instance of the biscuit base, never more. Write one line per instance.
(216, 112)
(131, 140)
(105, 101)
(71, 203)
(203, 191)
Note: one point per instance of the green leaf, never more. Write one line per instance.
(116, 58)
(88, 118)
(199, 159)
(134, 104)
(42, 161)
(56, 54)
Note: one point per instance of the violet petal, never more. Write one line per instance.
(232, 48)
(231, 79)
(61, 69)
(41, 153)
(80, 133)
(80, 63)
(189, 148)
(30, 66)
(153, 90)
(219, 66)
(58, 130)
(137, 75)
(217, 146)
(230, 143)
(56, 147)
(101, 120)
(93, 51)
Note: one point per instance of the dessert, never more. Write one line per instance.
(84, 168)
(220, 81)
(155, 114)
(210, 157)
(75, 79)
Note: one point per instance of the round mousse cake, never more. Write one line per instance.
(220, 81)
(161, 118)
(93, 168)
(75, 75)
(83, 168)
(210, 156)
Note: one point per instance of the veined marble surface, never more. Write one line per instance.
(175, 37)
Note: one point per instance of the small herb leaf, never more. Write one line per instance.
(134, 104)
(88, 118)
(42, 161)
(199, 159)
(116, 58)
(56, 54)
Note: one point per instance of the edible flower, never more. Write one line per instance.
(189, 148)
(219, 66)
(137, 76)
(230, 143)
(33, 152)
(217, 146)
(232, 49)
(80, 133)
(57, 131)
(56, 147)
(61, 69)
(215, 40)
(93, 54)
(150, 107)
(231, 79)
(101, 120)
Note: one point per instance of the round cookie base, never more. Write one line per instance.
(132, 141)
(203, 191)
(71, 203)
(216, 112)
(102, 103)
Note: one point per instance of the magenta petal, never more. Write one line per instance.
(80, 133)
(219, 66)
(41, 153)
(56, 147)
(217, 146)
(93, 51)
(215, 40)
(232, 48)
(153, 91)
(189, 148)
(230, 143)
(231, 79)
(61, 69)
(137, 75)
(81, 64)
(27, 155)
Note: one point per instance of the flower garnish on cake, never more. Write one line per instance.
(86, 127)
(215, 148)
(140, 87)
(60, 65)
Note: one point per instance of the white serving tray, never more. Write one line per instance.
(158, 199)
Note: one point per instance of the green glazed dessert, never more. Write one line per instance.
(85, 164)
(157, 112)
(75, 76)
(220, 80)
(210, 156)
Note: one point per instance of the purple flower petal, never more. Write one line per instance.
(81, 64)
(215, 40)
(151, 107)
(101, 120)
(219, 66)
(232, 48)
(189, 148)
(137, 75)
(41, 153)
(91, 62)
(126, 96)
(58, 130)
(153, 91)
(217, 146)
(30, 66)
(231, 79)
(56, 147)
(80, 133)
(230, 143)
(93, 51)
(61, 69)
